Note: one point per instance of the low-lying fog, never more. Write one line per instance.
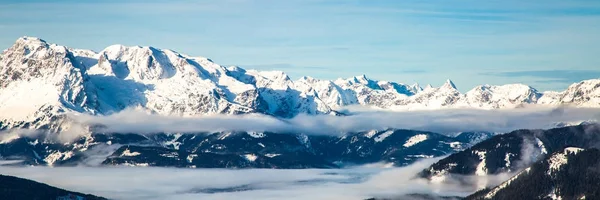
(170, 183)
(354, 183)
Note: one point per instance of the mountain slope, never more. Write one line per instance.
(42, 80)
(17, 188)
(395, 147)
(512, 151)
(572, 173)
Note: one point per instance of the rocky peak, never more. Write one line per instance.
(448, 85)
(416, 87)
(31, 42)
(584, 93)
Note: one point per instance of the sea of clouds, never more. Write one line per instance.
(138, 183)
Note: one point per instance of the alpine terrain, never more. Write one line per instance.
(512, 152)
(572, 173)
(39, 81)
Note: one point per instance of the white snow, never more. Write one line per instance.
(129, 153)
(22, 99)
(222, 136)
(559, 159)
(271, 155)
(497, 189)
(250, 157)
(507, 160)
(553, 195)
(170, 155)
(481, 169)
(256, 134)
(39, 80)
(541, 146)
(136, 164)
(303, 138)
(383, 135)
(191, 157)
(420, 156)
(439, 176)
(455, 145)
(371, 133)
(32, 143)
(174, 141)
(56, 156)
(415, 140)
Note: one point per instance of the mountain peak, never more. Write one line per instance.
(428, 86)
(449, 84)
(416, 87)
(28, 39)
(307, 79)
(30, 43)
(362, 78)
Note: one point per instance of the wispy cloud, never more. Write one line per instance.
(412, 71)
(361, 119)
(563, 76)
(281, 66)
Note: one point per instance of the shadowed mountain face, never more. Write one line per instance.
(236, 149)
(512, 151)
(17, 188)
(571, 173)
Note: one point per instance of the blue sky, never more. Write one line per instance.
(546, 44)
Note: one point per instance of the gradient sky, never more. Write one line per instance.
(547, 44)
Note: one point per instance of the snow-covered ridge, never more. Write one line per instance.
(560, 158)
(39, 80)
(415, 140)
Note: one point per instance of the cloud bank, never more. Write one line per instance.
(170, 183)
(442, 121)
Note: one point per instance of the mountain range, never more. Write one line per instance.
(392, 147)
(40, 80)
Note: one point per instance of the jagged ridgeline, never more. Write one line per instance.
(38, 80)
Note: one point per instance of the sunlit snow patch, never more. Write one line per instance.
(415, 140)
(129, 153)
(384, 135)
(250, 157)
(559, 159)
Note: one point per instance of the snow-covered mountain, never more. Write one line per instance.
(39, 80)
(511, 152)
